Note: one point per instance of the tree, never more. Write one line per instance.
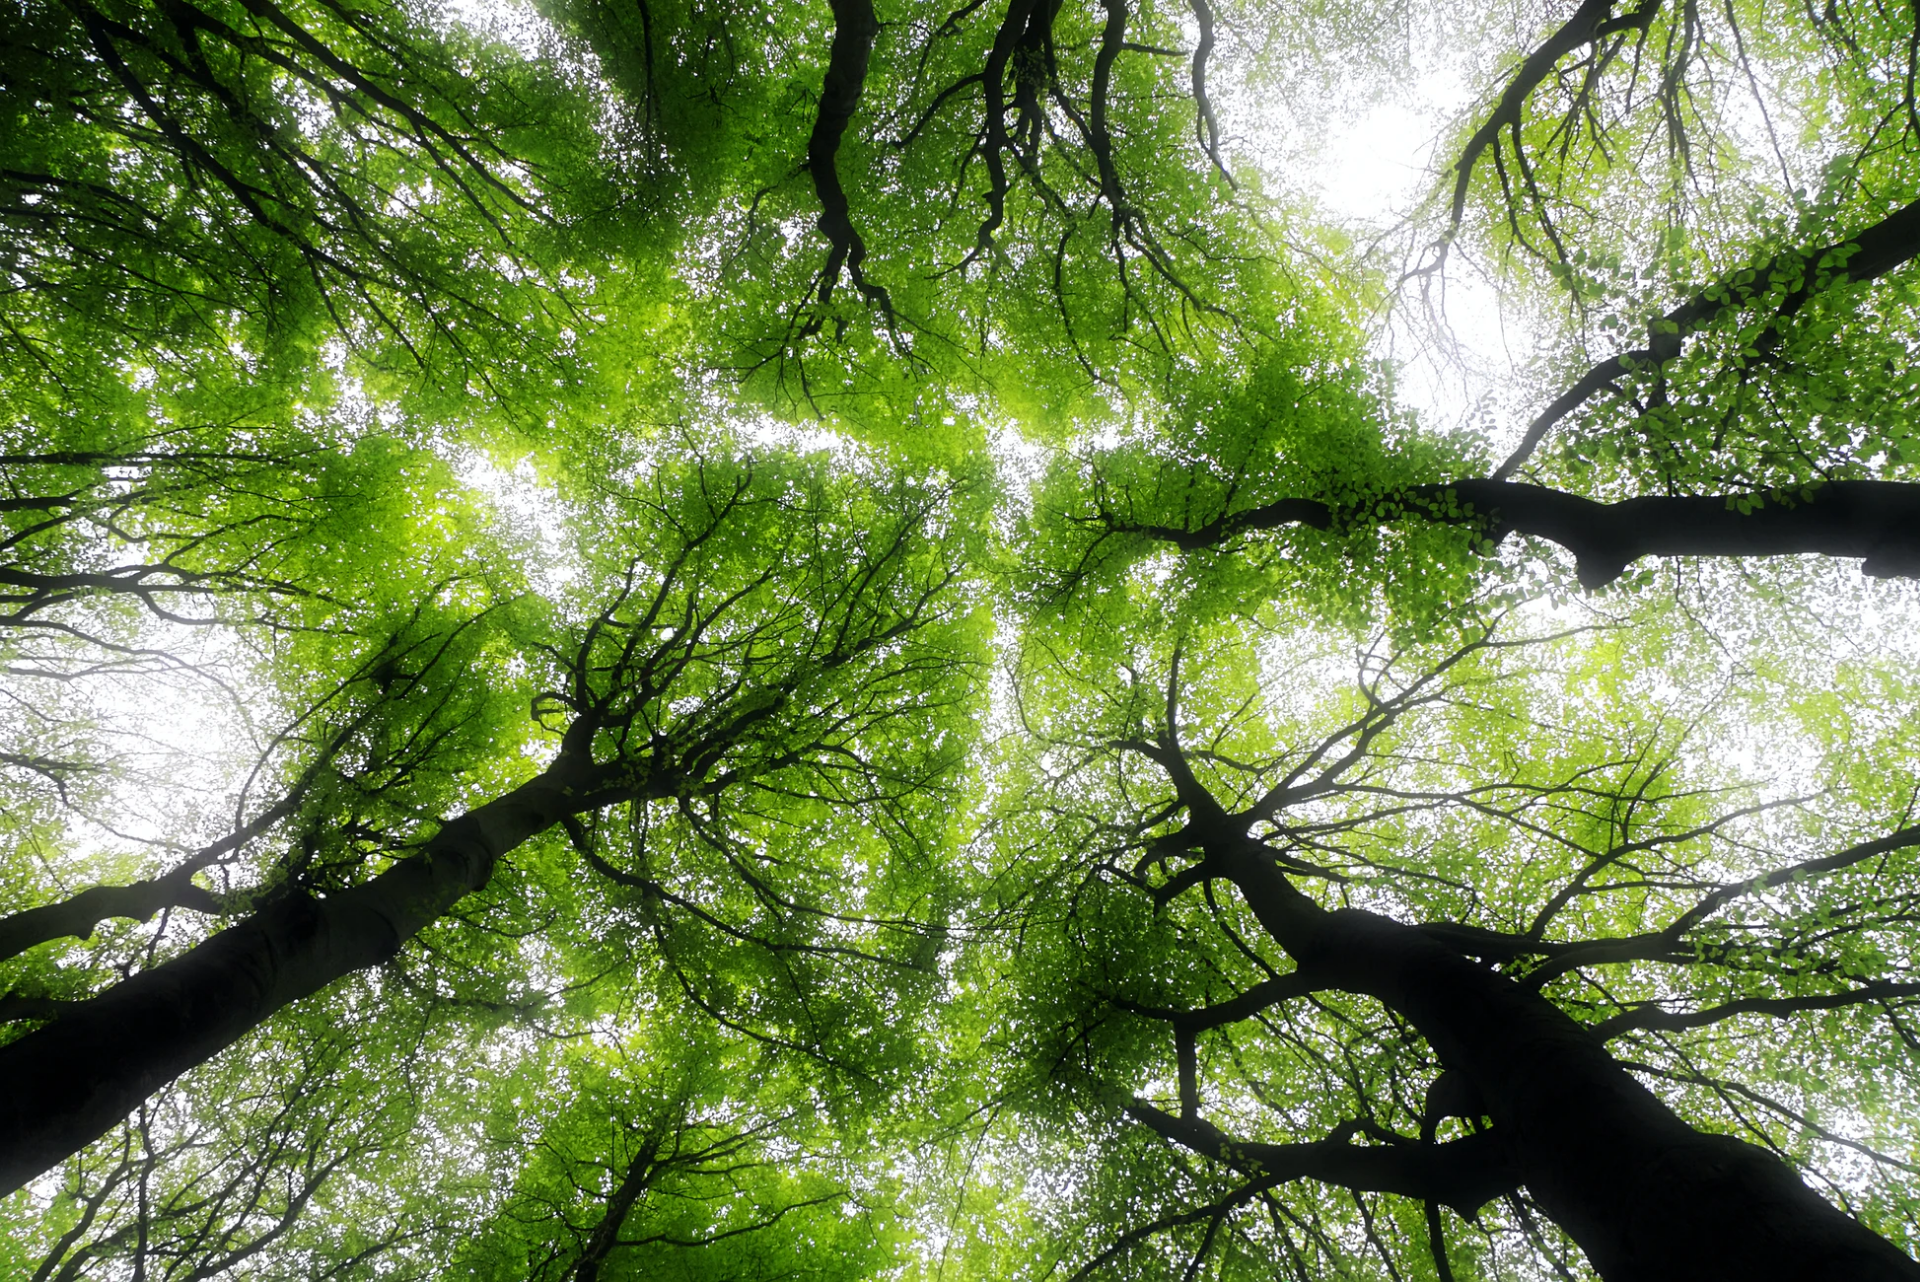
(699, 1186)
(772, 596)
(1423, 985)
(675, 691)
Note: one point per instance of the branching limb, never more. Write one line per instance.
(1262, 996)
(1464, 1174)
(1903, 839)
(1585, 26)
(1206, 124)
(78, 915)
(1437, 1243)
(1865, 256)
(1211, 1213)
(855, 28)
(1651, 1016)
(995, 140)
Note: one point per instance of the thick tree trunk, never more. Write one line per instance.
(1878, 521)
(1645, 1195)
(65, 1085)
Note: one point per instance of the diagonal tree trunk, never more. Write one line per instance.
(1645, 1195)
(66, 1084)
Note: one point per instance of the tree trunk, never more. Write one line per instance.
(1878, 521)
(1645, 1195)
(65, 1085)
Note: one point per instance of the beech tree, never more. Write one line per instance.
(727, 641)
(1354, 972)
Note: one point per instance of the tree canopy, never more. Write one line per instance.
(873, 640)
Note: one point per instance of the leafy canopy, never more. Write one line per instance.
(906, 514)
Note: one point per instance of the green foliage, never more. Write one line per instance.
(1299, 423)
(397, 408)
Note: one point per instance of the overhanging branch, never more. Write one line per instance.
(1464, 1174)
(1867, 255)
(854, 30)
(1657, 1017)
(1878, 521)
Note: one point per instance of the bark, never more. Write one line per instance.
(1876, 520)
(1645, 1195)
(854, 30)
(65, 1085)
(1464, 1174)
(77, 916)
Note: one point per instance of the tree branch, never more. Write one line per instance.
(1464, 1174)
(1585, 26)
(1900, 839)
(78, 915)
(1875, 520)
(1265, 994)
(854, 30)
(1865, 256)
(1656, 1017)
